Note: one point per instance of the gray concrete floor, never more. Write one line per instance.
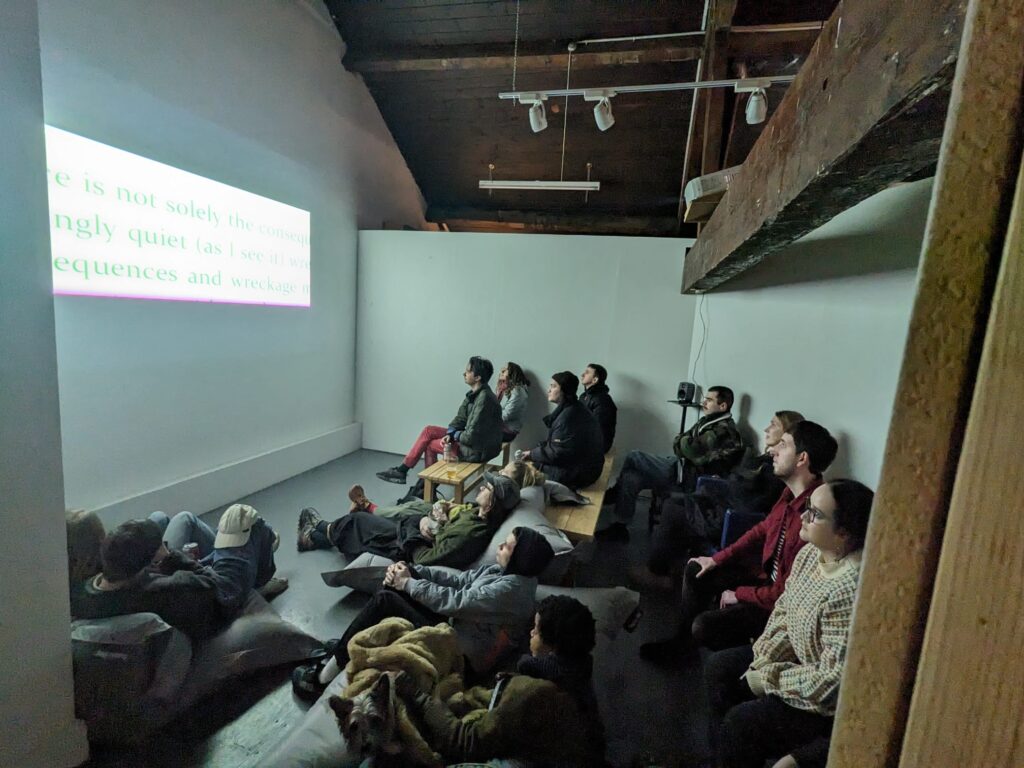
(656, 716)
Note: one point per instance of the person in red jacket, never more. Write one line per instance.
(747, 577)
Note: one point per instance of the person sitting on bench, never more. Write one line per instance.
(573, 452)
(488, 607)
(544, 714)
(408, 531)
(513, 396)
(748, 576)
(474, 434)
(145, 571)
(712, 446)
(598, 401)
(690, 523)
(779, 696)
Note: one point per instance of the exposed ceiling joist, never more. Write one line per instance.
(867, 108)
(772, 39)
(479, 219)
(488, 57)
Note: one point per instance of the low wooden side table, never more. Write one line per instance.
(463, 476)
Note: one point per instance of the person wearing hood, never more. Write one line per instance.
(545, 713)
(573, 453)
(598, 401)
(488, 607)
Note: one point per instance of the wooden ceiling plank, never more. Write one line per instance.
(595, 223)
(467, 58)
(866, 109)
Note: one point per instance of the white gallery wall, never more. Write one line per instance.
(820, 327)
(37, 718)
(183, 405)
(429, 300)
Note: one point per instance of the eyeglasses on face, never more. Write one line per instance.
(812, 514)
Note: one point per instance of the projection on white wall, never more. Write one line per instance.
(126, 226)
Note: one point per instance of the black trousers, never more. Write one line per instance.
(713, 627)
(384, 605)
(751, 730)
(689, 523)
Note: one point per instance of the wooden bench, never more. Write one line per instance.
(463, 476)
(579, 522)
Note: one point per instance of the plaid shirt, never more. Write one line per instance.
(800, 655)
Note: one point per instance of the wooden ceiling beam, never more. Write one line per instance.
(867, 108)
(490, 57)
(772, 39)
(555, 223)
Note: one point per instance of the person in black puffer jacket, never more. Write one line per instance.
(599, 401)
(573, 453)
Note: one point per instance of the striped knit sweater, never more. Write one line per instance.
(801, 653)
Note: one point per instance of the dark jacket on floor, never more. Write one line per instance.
(478, 425)
(573, 453)
(599, 402)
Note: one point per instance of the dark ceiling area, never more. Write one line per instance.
(435, 68)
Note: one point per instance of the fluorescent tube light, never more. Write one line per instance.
(561, 186)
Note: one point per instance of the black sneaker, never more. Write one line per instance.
(306, 680)
(308, 519)
(614, 532)
(394, 474)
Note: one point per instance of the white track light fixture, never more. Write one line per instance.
(603, 109)
(757, 107)
(538, 119)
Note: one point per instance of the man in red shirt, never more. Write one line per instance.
(748, 577)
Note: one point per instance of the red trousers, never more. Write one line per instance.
(428, 447)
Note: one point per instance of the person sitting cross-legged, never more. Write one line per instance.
(488, 607)
(412, 532)
(712, 446)
(145, 571)
(690, 523)
(746, 578)
(779, 697)
(545, 713)
(573, 453)
(475, 434)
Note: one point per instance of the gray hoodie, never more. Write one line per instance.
(487, 607)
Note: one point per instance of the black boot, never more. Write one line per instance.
(394, 474)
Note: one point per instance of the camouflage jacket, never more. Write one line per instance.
(712, 446)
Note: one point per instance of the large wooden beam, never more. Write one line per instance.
(866, 109)
(489, 57)
(481, 219)
(772, 39)
(973, 717)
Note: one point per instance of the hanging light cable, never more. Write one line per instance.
(565, 112)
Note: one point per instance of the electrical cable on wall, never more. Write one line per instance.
(705, 328)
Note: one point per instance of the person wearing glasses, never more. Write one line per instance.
(748, 576)
(712, 446)
(777, 698)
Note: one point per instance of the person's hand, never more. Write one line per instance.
(728, 598)
(526, 455)
(706, 564)
(398, 579)
(425, 528)
(787, 761)
(446, 440)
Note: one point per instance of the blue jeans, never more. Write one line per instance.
(185, 528)
(642, 471)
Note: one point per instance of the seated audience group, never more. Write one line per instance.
(773, 607)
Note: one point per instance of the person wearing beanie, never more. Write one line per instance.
(544, 714)
(573, 453)
(410, 532)
(144, 569)
(489, 607)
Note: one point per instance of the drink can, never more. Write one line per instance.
(191, 550)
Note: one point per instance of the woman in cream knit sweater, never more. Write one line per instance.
(780, 694)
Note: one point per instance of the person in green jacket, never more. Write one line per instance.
(712, 446)
(474, 434)
(408, 532)
(544, 714)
